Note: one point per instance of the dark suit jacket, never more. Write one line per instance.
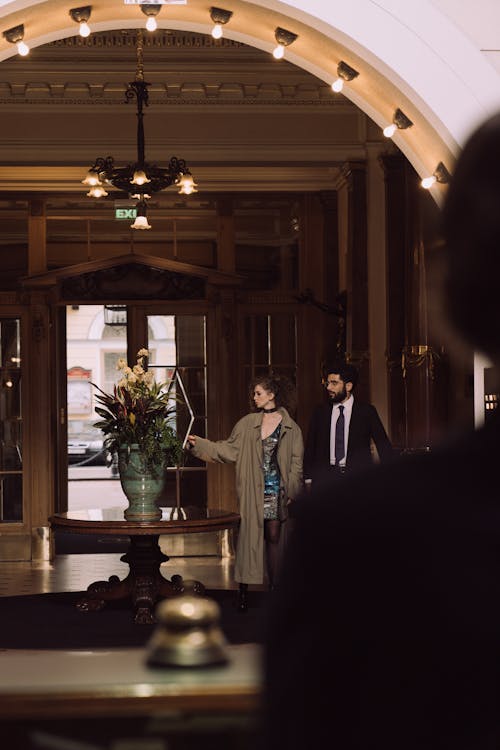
(364, 426)
(385, 630)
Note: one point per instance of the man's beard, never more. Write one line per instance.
(338, 397)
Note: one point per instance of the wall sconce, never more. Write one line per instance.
(399, 122)
(441, 175)
(81, 16)
(220, 17)
(151, 10)
(16, 36)
(284, 38)
(345, 73)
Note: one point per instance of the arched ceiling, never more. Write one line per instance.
(408, 55)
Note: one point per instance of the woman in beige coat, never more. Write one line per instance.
(266, 447)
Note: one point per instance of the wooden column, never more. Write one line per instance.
(40, 439)
(225, 234)
(397, 243)
(37, 237)
(222, 341)
(357, 339)
(417, 366)
(314, 285)
(335, 344)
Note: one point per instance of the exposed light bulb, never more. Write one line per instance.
(428, 182)
(151, 23)
(84, 29)
(217, 31)
(279, 52)
(338, 85)
(389, 130)
(23, 48)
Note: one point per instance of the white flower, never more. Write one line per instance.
(138, 370)
(121, 364)
(122, 383)
(131, 378)
(149, 378)
(127, 370)
(143, 353)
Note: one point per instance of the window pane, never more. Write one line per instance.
(283, 340)
(177, 348)
(256, 335)
(190, 340)
(11, 478)
(11, 497)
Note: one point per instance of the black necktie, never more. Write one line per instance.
(339, 437)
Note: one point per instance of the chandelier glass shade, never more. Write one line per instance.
(140, 180)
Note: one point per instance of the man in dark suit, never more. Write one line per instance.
(385, 631)
(344, 445)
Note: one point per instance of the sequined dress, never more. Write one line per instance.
(272, 477)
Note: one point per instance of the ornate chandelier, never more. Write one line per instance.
(141, 179)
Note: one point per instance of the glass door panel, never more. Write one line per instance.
(11, 463)
(177, 347)
(96, 338)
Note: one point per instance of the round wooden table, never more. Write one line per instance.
(144, 584)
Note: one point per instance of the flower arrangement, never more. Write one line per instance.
(139, 412)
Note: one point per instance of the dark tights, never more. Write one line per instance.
(272, 537)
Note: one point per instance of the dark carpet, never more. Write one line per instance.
(51, 621)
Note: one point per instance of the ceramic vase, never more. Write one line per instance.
(141, 486)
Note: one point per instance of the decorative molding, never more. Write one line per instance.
(132, 281)
(269, 298)
(163, 38)
(218, 98)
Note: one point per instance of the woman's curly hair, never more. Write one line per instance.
(285, 394)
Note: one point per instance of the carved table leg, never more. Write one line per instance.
(144, 583)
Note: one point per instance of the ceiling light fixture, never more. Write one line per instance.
(220, 17)
(284, 38)
(16, 36)
(151, 10)
(344, 73)
(81, 16)
(440, 175)
(140, 179)
(399, 122)
(141, 219)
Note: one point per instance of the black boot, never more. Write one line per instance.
(243, 597)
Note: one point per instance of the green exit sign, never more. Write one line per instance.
(125, 213)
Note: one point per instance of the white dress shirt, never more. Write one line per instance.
(347, 404)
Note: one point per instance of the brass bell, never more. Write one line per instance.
(187, 634)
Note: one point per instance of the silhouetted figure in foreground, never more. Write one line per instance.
(386, 629)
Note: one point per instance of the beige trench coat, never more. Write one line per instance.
(244, 449)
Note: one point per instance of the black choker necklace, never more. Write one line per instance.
(270, 411)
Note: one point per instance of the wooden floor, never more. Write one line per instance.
(76, 572)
